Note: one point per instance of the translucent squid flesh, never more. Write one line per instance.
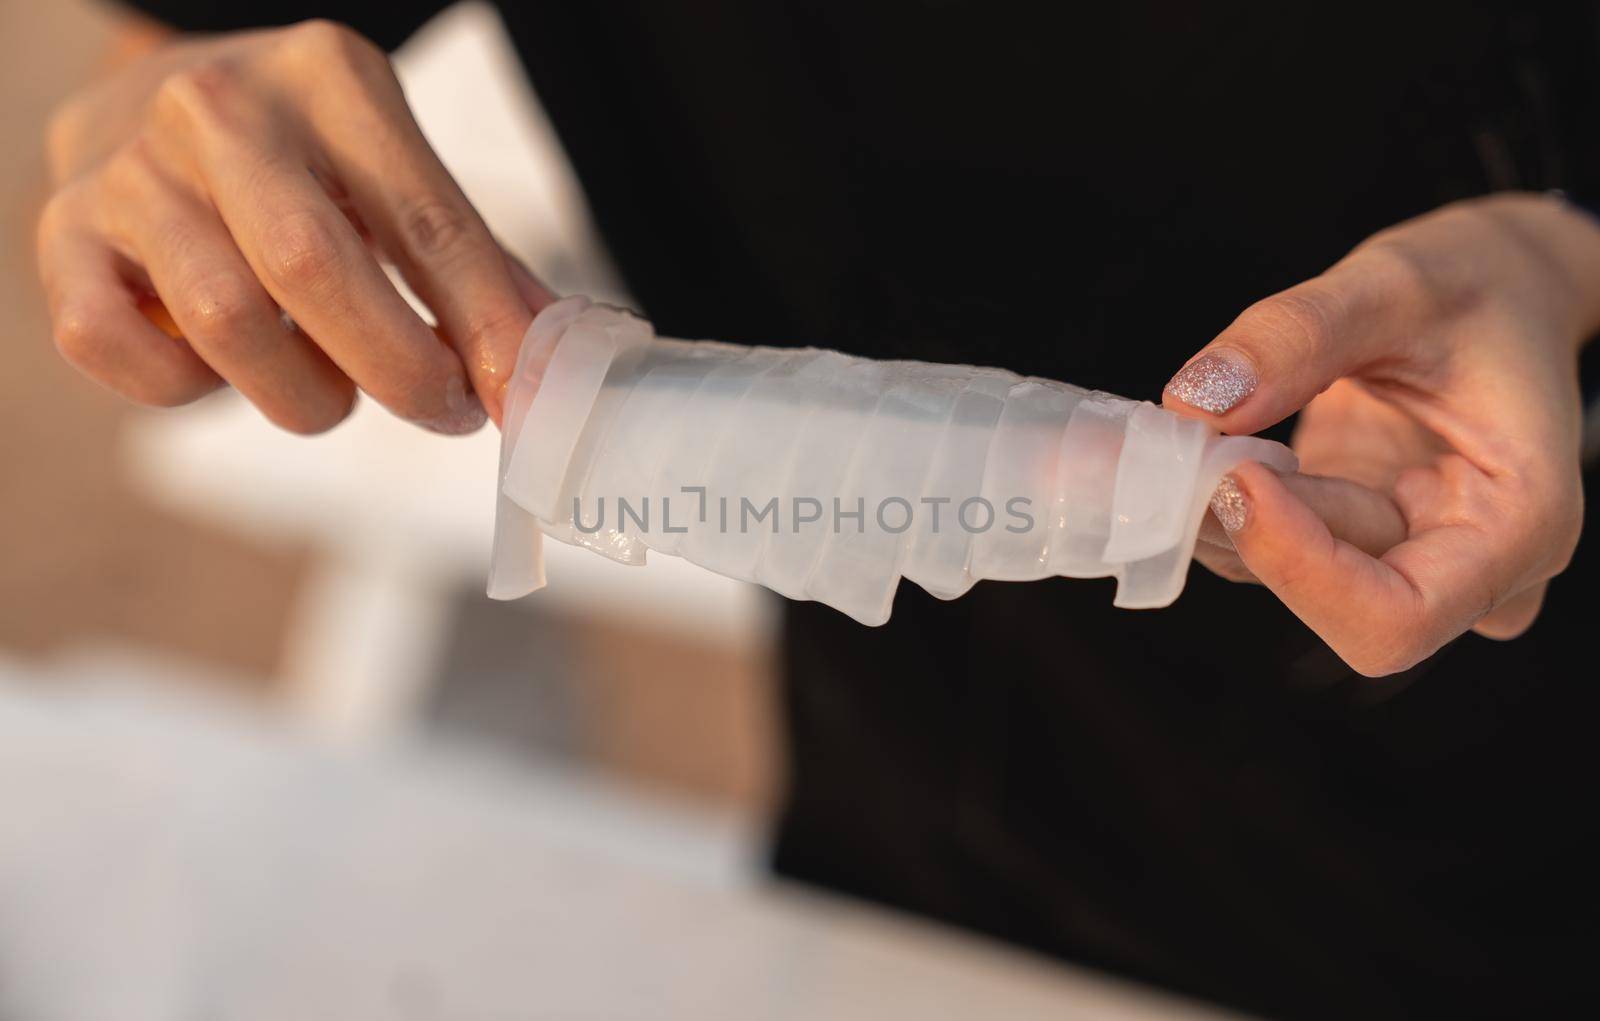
(829, 477)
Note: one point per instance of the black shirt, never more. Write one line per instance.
(1203, 796)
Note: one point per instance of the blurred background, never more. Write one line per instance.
(339, 580)
(267, 750)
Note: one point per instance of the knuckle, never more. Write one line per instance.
(85, 344)
(1409, 278)
(355, 71)
(221, 310)
(199, 91)
(132, 173)
(1302, 317)
(1397, 267)
(318, 34)
(323, 39)
(434, 229)
(301, 253)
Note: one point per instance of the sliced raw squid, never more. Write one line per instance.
(860, 560)
(1086, 479)
(828, 477)
(950, 505)
(752, 459)
(824, 452)
(1019, 481)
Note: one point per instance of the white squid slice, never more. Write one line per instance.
(859, 565)
(1160, 455)
(1086, 477)
(710, 413)
(828, 477)
(824, 453)
(942, 546)
(567, 391)
(749, 468)
(517, 566)
(580, 521)
(1024, 456)
(618, 487)
(1155, 581)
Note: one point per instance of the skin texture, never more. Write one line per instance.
(245, 192)
(1440, 437)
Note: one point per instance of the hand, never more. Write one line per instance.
(251, 183)
(1436, 366)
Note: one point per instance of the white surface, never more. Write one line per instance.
(161, 859)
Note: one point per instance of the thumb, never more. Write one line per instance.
(1283, 351)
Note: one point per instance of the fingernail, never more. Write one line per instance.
(1230, 505)
(466, 414)
(1215, 382)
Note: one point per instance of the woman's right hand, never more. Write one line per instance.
(251, 183)
(1435, 369)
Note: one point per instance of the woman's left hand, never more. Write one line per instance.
(1435, 369)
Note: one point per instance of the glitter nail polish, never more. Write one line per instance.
(1230, 506)
(1216, 381)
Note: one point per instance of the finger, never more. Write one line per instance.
(314, 265)
(309, 257)
(1373, 615)
(227, 316)
(1362, 517)
(94, 312)
(1284, 350)
(421, 218)
(1514, 616)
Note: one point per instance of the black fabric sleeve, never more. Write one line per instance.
(388, 24)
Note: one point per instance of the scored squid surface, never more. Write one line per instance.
(859, 565)
(823, 455)
(1023, 457)
(829, 477)
(940, 551)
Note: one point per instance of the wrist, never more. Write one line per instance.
(1584, 221)
(1564, 239)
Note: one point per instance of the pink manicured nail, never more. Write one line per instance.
(1230, 505)
(1216, 381)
